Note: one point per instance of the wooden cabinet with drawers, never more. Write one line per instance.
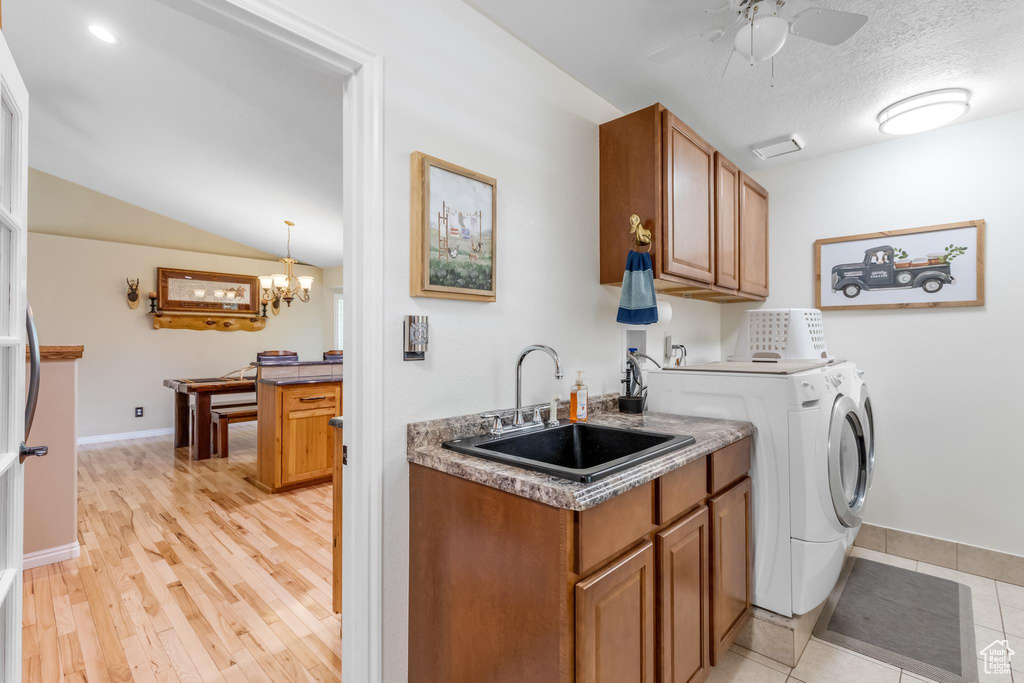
(709, 220)
(295, 443)
(651, 585)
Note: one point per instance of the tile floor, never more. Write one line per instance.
(998, 614)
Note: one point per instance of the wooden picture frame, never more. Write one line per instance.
(464, 250)
(240, 294)
(892, 274)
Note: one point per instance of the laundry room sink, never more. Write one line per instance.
(576, 451)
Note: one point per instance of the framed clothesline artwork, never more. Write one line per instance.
(453, 248)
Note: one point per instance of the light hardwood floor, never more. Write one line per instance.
(187, 573)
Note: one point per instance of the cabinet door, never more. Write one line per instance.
(753, 237)
(307, 443)
(730, 566)
(683, 617)
(615, 621)
(727, 223)
(689, 167)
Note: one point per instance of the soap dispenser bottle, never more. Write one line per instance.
(578, 400)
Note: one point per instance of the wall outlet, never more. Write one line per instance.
(138, 411)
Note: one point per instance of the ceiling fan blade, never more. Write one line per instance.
(828, 26)
(706, 5)
(680, 48)
(737, 66)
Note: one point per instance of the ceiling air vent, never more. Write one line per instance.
(778, 147)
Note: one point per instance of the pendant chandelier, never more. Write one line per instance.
(285, 286)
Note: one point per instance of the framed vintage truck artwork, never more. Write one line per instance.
(453, 248)
(929, 267)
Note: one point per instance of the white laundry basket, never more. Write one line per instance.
(781, 334)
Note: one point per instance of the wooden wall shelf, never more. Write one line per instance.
(221, 323)
(66, 352)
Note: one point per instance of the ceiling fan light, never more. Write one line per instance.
(769, 35)
(924, 112)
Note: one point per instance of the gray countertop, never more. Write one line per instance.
(293, 363)
(425, 439)
(314, 379)
(338, 422)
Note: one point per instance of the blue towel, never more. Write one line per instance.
(637, 306)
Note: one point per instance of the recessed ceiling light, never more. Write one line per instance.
(926, 111)
(103, 34)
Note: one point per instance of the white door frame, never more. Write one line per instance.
(363, 235)
(12, 338)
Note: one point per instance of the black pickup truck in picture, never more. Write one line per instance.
(880, 271)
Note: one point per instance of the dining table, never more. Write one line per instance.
(202, 390)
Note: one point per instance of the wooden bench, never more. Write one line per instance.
(222, 419)
(227, 408)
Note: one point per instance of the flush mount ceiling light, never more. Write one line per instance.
(926, 111)
(103, 34)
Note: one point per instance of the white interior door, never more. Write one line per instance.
(13, 211)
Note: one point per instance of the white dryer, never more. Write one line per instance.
(811, 466)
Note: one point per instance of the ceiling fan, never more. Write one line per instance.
(763, 29)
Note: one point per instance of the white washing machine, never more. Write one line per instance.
(811, 465)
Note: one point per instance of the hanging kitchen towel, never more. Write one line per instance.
(637, 306)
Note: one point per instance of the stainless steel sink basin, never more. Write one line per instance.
(575, 451)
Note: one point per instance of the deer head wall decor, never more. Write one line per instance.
(133, 293)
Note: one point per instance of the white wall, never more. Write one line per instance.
(946, 383)
(332, 285)
(77, 290)
(460, 88)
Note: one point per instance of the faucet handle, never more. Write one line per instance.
(497, 426)
(536, 415)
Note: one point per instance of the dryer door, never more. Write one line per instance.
(867, 418)
(847, 461)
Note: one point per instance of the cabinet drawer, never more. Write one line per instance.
(606, 530)
(728, 465)
(312, 397)
(681, 489)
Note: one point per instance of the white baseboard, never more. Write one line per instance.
(50, 555)
(102, 438)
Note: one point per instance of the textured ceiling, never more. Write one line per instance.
(213, 129)
(830, 96)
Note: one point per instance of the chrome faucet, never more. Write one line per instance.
(633, 361)
(682, 360)
(518, 421)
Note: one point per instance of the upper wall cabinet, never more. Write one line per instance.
(727, 223)
(753, 237)
(708, 219)
(689, 201)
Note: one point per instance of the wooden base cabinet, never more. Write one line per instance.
(649, 586)
(615, 621)
(731, 593)
(295, 443)
(683, 613)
